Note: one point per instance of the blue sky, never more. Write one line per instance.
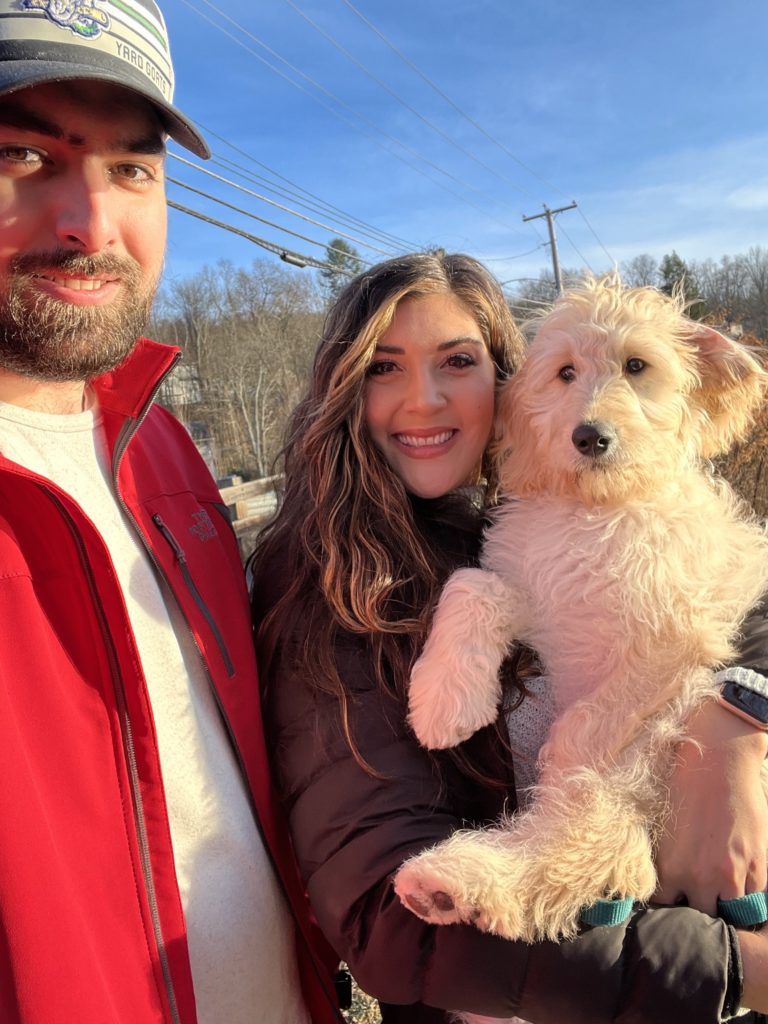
(652, 116)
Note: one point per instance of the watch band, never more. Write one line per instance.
(744, 692)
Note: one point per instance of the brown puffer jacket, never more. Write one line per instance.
(353, 829)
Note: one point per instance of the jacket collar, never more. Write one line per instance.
(126, 390)
(125, 393)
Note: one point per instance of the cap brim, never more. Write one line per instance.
(21, 74)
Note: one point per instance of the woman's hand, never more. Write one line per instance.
(715, 843)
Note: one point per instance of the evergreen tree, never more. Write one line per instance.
(344, 263)
(677, 278)
(674, 274)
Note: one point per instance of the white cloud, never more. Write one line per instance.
(750, 197)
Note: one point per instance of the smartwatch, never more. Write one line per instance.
(744, 692)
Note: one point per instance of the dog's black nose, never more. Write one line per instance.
(593, 438)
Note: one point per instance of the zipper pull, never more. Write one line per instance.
(157, 519)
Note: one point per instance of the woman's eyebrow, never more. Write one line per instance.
(451, 343)
(464, 339)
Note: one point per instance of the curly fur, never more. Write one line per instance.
(628, 568)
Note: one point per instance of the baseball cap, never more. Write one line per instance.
(120, 41)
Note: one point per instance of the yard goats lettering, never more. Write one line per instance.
(143, 63)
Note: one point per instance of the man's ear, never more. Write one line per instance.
(732, 390)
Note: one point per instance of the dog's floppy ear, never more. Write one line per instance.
(733, 388)
(512, 457)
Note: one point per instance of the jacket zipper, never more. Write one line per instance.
(192, 588)
(130, 755)
(122, 443)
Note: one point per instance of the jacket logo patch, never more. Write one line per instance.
(203, 528)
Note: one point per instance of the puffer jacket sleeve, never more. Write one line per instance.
(753, 639)
(352, 828)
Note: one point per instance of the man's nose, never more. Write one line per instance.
(85, 218)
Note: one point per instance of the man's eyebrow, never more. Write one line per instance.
(14, 115)
(148, 145)
(442, 347)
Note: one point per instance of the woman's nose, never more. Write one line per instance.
(425, 391)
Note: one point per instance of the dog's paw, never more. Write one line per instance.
(430, 895)
(444, 710)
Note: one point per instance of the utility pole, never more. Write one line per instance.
(550, 215)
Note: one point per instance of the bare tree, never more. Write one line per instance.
(756, 269)
(724, 286)
(640, 272)
(533, 296)
(249, 336)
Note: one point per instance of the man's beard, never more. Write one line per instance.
(52, 340)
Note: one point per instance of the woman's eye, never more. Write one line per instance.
(635, 365)
(460, 360)
(567, 373)
(380, 367)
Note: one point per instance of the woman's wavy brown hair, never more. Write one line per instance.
(347, 534)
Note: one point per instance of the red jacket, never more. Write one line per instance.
(91, 925)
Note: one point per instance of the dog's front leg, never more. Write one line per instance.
(531, 876)
(454, 687)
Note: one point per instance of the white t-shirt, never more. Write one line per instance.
(240, 931)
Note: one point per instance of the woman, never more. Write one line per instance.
(386, 473)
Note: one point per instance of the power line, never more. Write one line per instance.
(341, 103)
(578, 252)
(439, 131)
(279, 206)
(448, 99)
(253, 216)
(517, 256)
(612, 260)
(296, 259)
(319, 206)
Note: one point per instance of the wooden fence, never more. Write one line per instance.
(250, 506)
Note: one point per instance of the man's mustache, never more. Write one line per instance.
(30, 263)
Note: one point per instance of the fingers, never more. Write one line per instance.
(705, 891)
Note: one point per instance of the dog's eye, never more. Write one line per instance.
(567, 373)
(635, 365)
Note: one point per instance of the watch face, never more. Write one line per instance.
(755, 704)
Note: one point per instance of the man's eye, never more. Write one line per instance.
(635, 365)
(134, 172)
(567, 373)
(20, 155)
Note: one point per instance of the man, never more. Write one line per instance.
(144, 876)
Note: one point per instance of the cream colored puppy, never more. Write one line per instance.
(628, 567)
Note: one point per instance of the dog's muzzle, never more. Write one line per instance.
(593, 439)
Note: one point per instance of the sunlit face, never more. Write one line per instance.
(429, 397)
(82, 227)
